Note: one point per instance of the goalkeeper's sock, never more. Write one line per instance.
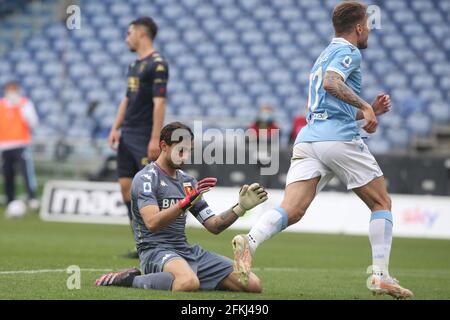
(380, 236)
(128, 205)
(270, 223)
(156, 281)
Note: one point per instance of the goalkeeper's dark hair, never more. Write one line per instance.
(149, 24)
(175, 132)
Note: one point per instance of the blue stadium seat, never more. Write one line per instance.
(191, 111)
(423, 81)
(242, 62)
(221, 74)
(440, 112)
(415, 68)
(95, 8)
(431, 16)
(53, 69)
(41, 93)
(246, 113)
(69, 95)
(219, 112)
(411, 104)
(404, 16)
(421, 43)
(441, 69)
(230, 13)
(26, 68)
(78, 70)
(119, 9)
(379, 144)
(394, 120)
(279, 38)
(233, 50)
(399, 137)
(403, 55)
(413, 29)
(98, 95)
(30, 82)
(259, 88)
(419, 123)
(92, 83)
(76, 107)
(229, 88)
(249, 75)
(430, 94)
(240, 101)
(110, 71)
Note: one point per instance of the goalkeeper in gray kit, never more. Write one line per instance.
(161, 196)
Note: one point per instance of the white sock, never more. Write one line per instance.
(380, 235)
(269, 224)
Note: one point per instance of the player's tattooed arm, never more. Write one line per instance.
(334, 84)
(218, 223)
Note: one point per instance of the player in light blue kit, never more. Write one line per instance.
(330, 145)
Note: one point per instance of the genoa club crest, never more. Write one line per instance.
(187, 186)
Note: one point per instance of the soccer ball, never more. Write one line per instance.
(16, 209)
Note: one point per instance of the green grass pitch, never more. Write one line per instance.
(291, 266)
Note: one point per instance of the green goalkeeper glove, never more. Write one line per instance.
(249, 197)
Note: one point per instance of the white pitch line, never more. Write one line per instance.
(279, 269)
(50, 270)
(421, 272)
(110, 270)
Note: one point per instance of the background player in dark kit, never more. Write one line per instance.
(135, 132)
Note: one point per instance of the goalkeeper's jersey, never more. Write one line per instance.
(152, 186)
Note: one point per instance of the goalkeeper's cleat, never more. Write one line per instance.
(242, 258)
(380, 285)
(120, 279)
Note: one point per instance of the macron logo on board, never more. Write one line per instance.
(77, 201)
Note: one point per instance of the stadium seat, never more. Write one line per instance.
(399, 137)
(419, 123)
(440, 112)
(379, 145)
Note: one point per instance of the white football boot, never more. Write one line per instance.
(242, 257)
(382, 284)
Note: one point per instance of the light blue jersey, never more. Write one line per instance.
(331, 119)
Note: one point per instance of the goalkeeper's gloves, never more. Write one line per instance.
(249, 197)
(195, 195)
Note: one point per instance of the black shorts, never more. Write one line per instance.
(131, 155)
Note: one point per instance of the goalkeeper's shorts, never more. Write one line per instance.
(210, 268)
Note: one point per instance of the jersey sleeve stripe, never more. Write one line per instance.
(338, 72)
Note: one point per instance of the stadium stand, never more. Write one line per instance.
(226, 58)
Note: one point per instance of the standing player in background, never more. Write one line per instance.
(162, 195)
(135, 132)
(17, 117)
(331, 145)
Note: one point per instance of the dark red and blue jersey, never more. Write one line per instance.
(147, 79)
